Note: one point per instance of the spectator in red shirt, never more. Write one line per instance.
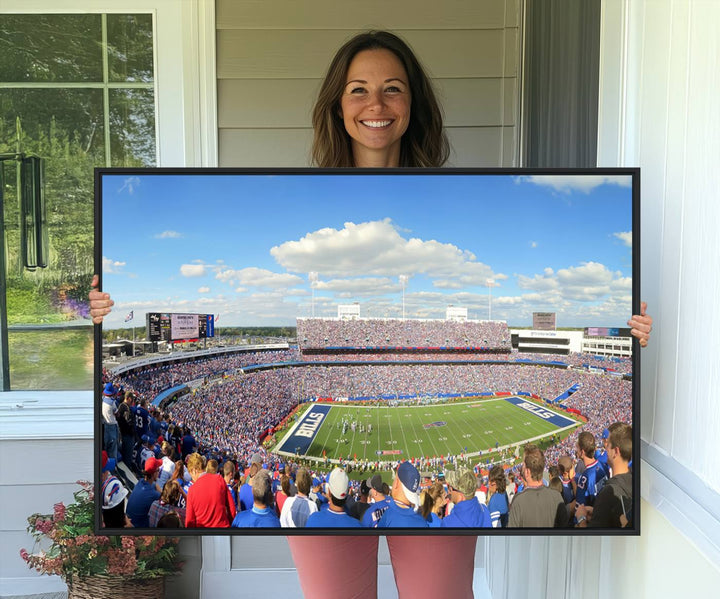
(282, 494)
(209, 503)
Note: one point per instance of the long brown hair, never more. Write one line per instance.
(430, 497)
(424, 144)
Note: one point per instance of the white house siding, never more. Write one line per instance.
(271, 57)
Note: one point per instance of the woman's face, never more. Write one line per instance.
(375, 107)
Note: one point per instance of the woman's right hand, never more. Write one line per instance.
(100, 303)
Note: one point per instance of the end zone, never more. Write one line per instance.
(541, 412)
(303, 433)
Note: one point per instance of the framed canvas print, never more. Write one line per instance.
(366, 352)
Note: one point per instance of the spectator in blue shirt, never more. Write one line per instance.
(334, 516)
(468, 511)
(405, 500)
(145, 492)
(262, 514)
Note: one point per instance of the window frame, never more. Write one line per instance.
(185, 97)
(184, 85)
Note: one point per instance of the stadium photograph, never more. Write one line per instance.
(382, 351)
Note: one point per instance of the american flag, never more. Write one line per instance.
(129, 317)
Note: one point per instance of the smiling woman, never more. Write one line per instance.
(375, 107)
(364, 106)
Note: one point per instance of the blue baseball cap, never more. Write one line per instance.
(606, 433)
(410, 479)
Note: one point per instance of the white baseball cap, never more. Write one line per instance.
(338, 483)
(113, 494)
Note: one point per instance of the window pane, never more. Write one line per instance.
(130, 48)
(64, 127)
(37, 48)
(51, 118)
(51, 359)
(50, 334)
(132, 127)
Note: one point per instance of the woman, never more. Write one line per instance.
(377, 108)
(497, 497)
(168, 464)
(183, 479)
(432, 504)
(169, 502)
(282, 493)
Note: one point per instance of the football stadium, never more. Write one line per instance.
(369, 394)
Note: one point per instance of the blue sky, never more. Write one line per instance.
(242, 246)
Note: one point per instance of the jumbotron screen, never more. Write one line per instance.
(169, 327)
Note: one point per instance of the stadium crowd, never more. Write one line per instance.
(215, 431)
(589, 486)
(318, 333)
(148, 382)
(233, 413)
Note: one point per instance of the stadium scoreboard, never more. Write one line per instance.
(170, 327)
(607, 332)
(544, 321)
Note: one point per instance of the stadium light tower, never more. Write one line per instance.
(313, 278)
(403, 284)
(490, 283)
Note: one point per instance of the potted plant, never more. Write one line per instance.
(98, 566)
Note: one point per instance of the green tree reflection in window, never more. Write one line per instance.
(83, 90)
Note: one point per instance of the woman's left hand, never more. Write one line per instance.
(641, 325)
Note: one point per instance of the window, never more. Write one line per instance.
(77, 90)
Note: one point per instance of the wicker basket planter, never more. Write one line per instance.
(116, 587)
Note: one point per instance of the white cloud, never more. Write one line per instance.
(533, 244)
(130, 184)
(569, 183)
(377, 248)
(508, 300)
(297, 293)
(589, 282)
(360, 286)
(111, 267)
(169, 235)
(625, 237)
(204, 290)
(192, 270)
(543, 282)
(257, 277)
(622, 285)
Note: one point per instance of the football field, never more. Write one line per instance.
(385, 433)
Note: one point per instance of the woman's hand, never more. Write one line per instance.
(641, 325)
(100, 303)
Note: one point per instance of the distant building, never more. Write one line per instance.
(349, 311)
(456, 313)
(565, 342)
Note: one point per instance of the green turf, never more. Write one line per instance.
(474, 426)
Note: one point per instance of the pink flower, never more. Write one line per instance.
(121, 562)
(128, 542)
(24, 555)
(43, 526)
(59, 512)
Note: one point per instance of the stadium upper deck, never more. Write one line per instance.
(395, 333)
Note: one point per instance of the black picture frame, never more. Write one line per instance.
(393, 177)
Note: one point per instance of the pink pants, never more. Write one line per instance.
(330, 567)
